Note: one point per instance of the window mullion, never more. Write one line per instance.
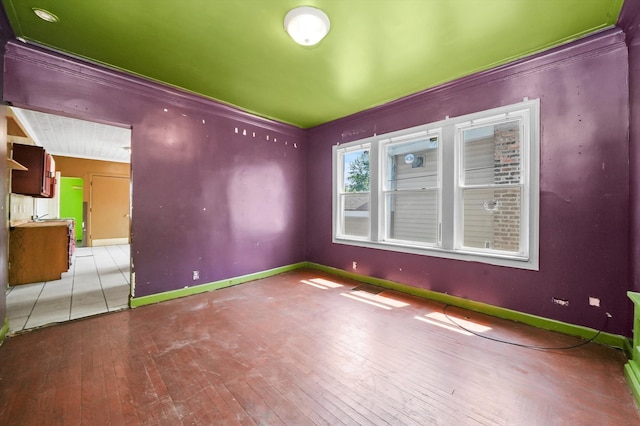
(459, 188)
(448, 190)
(375, 188)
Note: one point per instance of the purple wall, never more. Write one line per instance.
(584, 187)
(228, 204)
(630, 22)
(206, 196)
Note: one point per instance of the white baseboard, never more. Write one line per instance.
(109, 242)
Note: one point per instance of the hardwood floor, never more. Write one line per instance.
(304, 348)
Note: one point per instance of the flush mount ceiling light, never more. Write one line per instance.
(306, 25)
(45, 15)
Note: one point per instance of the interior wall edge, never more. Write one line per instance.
(627, 20)
(207, 287)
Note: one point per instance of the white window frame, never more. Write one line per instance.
(338, 192)
(384, 144)
(449, 243)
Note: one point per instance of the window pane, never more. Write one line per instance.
(356, 171)
(413, 216)
(492, 218)
(355, 215)
(492, 154)
(413, 165)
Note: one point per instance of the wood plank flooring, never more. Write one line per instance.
(304, 348)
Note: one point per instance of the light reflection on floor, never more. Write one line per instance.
(453, 323)
(450, 322)
(383, 302)
(354, 297)
(455, 320)
(443, 325)
(381, 299)
(321, 283)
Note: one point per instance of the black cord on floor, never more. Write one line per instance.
(522, 345)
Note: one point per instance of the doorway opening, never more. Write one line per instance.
(92, 198)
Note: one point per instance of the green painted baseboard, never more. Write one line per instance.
(632, 368)
(4, 330)
(632, 373)
(216, 285)
(608, 339)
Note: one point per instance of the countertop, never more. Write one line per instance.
(43, 223)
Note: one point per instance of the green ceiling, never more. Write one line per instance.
(236, 51)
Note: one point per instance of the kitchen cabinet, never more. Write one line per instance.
(40, 251)
(39, 178)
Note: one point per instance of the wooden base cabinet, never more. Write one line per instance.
(39, 251)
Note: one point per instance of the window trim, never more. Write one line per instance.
(525, 142)
(383, 173)
(338, 176)
(449, 132)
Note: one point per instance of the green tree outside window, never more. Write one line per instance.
(358, 176)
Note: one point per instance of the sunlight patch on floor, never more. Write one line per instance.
(375, 299)
(381, 299)
(454, 320)
(443, 325)
(321, 283)
(354, 297)
(453, 323)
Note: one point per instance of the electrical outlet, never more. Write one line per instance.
(594, 301)
(561, 302)
(196, 275)
(354, 265)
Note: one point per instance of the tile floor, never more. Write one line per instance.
(97, 282)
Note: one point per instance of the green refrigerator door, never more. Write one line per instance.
(71, 197)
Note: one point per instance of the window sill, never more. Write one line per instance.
(511, 261)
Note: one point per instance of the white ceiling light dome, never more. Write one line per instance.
(306, 25)
(45, 15)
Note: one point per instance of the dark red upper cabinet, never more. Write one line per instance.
(39, 178)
